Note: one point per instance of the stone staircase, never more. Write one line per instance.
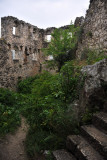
(90, 145)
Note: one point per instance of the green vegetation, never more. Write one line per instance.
(9, 112)
(63, 46)
(46, 109)
(92, 56)
(44, 99)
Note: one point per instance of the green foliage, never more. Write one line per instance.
(80, 34)
(92, 56)
(9, 119)
(87, 117)
(62, 42)
(46, 110)
(69, 77)
(25, 86)
(9, 113)
(88, 114)
(7, 97)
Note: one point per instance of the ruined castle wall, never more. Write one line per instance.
(94, 32)
(20, 54)
(22, 50)
(13, 70)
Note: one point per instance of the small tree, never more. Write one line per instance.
(63, 41)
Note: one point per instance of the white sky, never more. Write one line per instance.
(44, 13)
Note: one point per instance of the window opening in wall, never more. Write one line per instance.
(30, 50)
(50, 57)
(25, 55)
(38, 50)
(0, 27)
(9, 46)
(48, 38)
(14, 30)
(21, 48)
(26, 51)
(40, 69)
(34, 30)
(34, 57)
(13, 54)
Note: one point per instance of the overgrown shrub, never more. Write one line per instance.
(9, 111)
(47, 112)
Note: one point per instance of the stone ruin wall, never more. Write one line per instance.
(20, 52)
(94, 27)
(21, 55)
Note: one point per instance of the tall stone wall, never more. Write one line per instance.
(20, 54)
(94, 29)
(21, 43)
(20, 50)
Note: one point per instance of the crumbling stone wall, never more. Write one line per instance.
(94, 29)
(20, 54)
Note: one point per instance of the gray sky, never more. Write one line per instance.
(44, 13)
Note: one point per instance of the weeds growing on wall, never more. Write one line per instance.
(91, 56)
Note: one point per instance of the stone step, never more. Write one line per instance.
(81, 148)
(63, 155)
(100, 121)
(96, 138)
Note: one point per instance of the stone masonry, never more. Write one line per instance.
(94, 28)
(21, 43)
(20, 50)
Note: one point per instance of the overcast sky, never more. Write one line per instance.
(44, 13)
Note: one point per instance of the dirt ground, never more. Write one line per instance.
(12, 147)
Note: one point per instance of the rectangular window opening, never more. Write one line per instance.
(48, 38)
(14, 30)
(0, 27)
(13, 54)
(34, 57)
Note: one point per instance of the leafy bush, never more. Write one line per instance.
(46, 111)
(7, 97)
(9, 119)
(9, 114)
(25, 86)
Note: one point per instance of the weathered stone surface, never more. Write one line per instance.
(21, 55)
(96, 138)
(94, 35)
(26, 41)
(63, 155)
(100, 121)
(79, 21)
(82, 149)
(94, 93)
